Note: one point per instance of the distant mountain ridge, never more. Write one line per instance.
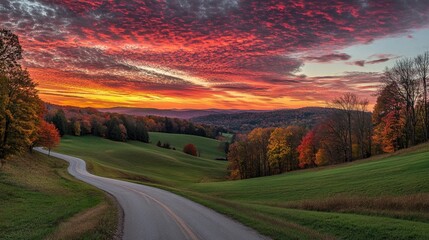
(172, 113)
(246, 121)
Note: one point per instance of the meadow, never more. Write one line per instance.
(385, 197)
(40, 200)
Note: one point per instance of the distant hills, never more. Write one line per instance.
(172, 113)
(246, 121)
(231, 119)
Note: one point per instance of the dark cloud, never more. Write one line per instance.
(329, 57)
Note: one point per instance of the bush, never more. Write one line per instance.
(190, 149)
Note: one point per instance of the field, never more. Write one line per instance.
(386, 197)
(144, 162)
(209, 148)
(39, 200)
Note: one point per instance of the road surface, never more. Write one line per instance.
(152, 213)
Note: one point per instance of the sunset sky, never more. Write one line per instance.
(213, 53)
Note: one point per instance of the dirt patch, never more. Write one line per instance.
(80, 223)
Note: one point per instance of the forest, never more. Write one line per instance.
(399, 120)
(121, 127)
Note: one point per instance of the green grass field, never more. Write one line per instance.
(386, 197)
(209, 148)
(37, 196)
(143, 162)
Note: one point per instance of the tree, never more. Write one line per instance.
(403, 77)
(259, 139)
(10, 52)
(278, 150)
(49, 136)
(388, 119)
(141, 133)
(76, 128)
(19, 102)
(237, 164)
(116, 130)
(307, 150)
(422, 68)
(190, 149)
(347, 105)
(60, 122)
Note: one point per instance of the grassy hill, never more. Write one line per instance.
(386, 197)
(40, 200)
(209, 148)
(143, 162)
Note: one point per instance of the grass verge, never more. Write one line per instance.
(38, 198)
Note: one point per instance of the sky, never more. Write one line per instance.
(200, 54)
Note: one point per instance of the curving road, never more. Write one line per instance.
(152, 213)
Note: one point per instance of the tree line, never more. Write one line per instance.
(400, 119)
(21, 111)
(121, 127)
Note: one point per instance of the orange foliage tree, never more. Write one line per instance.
(190, 149)
(307, 151)
(49, 136)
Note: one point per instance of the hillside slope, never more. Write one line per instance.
(40, 200)
(207, 147)
(386, 197)
(171, 113)
(246, 121)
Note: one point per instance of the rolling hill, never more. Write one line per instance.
(385, 197)
(171, 113)
(246, 121)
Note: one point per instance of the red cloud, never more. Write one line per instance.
(202, 46)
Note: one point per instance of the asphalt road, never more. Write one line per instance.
(152, 213)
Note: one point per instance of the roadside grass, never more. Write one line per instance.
(37, 195)
(385, 197)
(209, 148)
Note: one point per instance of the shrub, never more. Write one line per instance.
(190, 149)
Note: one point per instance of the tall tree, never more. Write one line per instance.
(259, 139)
(347, 105)
(403, 75)
(19, 102)
(278, 150)
(388, 120)
(60, 122)
(422, 69)
(10, 52)
(308, 150)
(141, 131)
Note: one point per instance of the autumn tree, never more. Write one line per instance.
(190, 149)
(403, 76)
(278, 150)
(388, 119)
(76, 128)
(49, 136)
(259, 139)
(237, 160)
(19, 102)
(308, 150)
